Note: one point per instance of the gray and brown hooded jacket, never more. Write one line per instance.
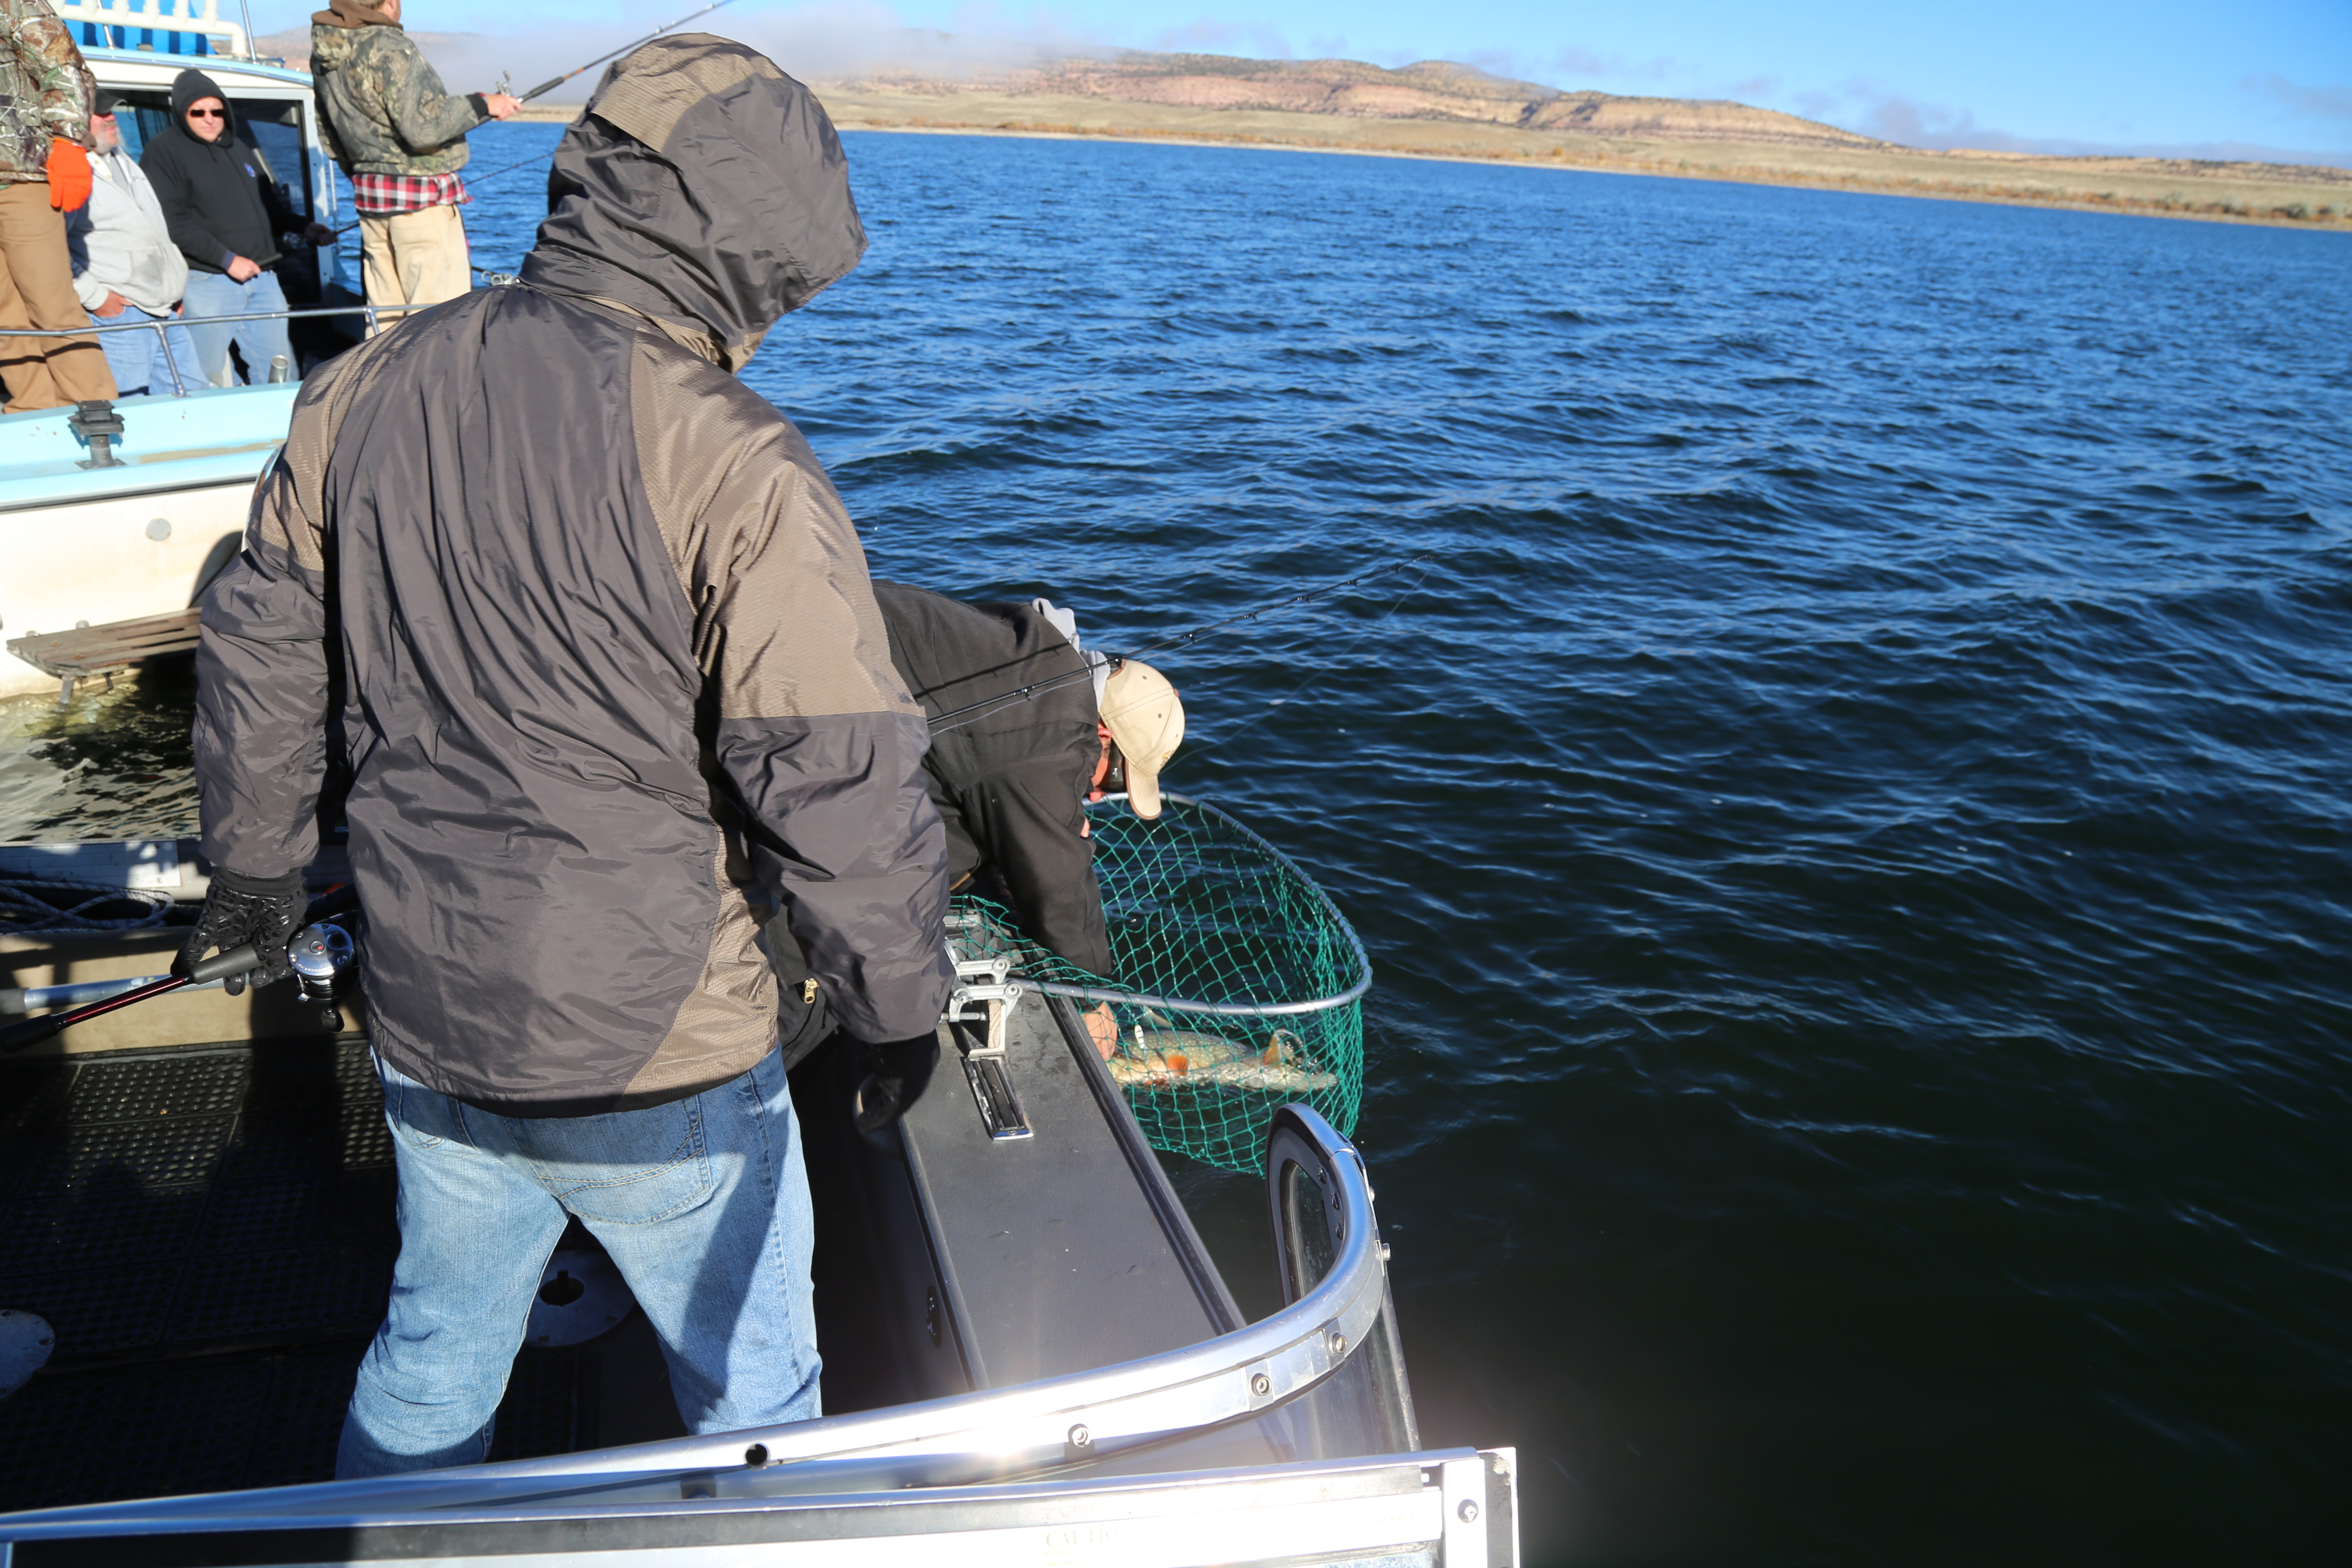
(597, 616)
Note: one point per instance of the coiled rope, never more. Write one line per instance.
(50, 906)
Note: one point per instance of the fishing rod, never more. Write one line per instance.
(551, 85)
(972, 713)
(320, 953)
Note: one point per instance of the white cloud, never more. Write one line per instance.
(2332, 102)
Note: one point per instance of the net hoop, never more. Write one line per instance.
(1363, 981)
(1236, 985)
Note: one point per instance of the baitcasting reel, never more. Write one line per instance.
(323, 956)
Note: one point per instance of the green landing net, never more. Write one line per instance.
(1238, 985)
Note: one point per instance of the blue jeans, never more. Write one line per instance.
(702, 1202)
(138, 360)
(215, 294)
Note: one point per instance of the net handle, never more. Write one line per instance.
(1364, 982)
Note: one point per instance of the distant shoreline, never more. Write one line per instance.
(2297, 196)
(1730, 174)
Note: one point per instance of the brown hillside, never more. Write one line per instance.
(1431, 89)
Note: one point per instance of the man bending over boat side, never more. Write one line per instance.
(1011, 772)
(604, 626)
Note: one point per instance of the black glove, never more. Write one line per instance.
(895, 1074)
(263, 910)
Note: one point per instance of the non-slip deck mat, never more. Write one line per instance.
(193, 1200)
(210, 1232)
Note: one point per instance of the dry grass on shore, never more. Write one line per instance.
(2288, 195)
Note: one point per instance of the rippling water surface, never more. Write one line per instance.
(1849, 815)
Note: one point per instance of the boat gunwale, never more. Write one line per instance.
(988, 1435)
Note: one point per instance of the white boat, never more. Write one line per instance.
(92, 549)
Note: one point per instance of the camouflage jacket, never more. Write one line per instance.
(45, 90)
(386, 112)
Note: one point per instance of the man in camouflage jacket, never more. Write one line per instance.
(401, 137)
(46, 93)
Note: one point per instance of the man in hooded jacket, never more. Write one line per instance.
(400, 136)
(605, 638)
(232, 224)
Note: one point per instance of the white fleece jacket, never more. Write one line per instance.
(118, 240)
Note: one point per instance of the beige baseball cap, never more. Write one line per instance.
(1146, 719)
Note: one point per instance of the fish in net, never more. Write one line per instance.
(1237, 984)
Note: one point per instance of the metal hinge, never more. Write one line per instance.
(982, 983)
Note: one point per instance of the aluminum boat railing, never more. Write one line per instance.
(170, 361)
(1039, 1428)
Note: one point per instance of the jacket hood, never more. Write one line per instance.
(351, 14)
(702, 188)
(187, 88)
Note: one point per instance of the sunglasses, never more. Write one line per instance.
(208, 114)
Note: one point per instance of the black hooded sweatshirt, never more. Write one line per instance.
(217, 197)
(602, 632)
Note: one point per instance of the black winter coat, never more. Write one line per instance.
(217, 197)
(1010, 782)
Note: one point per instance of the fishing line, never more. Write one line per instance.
(479, 179)
(972, 713)
(1198, 632)
(1328, 666)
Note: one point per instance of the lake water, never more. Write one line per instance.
(1849, 813)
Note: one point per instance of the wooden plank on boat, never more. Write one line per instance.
(99, 651)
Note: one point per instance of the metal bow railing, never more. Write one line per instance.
(1037, 1429)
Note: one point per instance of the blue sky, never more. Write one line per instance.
(2060, 75)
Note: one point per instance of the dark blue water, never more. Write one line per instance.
(1849, 816)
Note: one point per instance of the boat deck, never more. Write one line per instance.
(209, 1230)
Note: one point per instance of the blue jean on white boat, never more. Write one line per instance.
(702, 1202)
(138, 359)
(218, 294)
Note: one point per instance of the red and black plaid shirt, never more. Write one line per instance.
(373, 195)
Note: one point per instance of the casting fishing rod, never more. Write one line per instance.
(972, 713)
(555, 82)
(558, 82)
(320, 954)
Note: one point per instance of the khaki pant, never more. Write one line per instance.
(37, 290)
(415, 259)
